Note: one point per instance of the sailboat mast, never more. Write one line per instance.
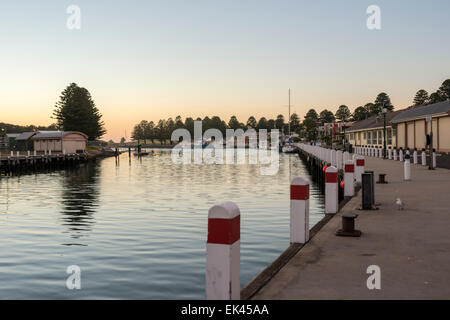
(289, 119)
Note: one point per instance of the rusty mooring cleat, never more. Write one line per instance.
(348, 226)
(381, 178)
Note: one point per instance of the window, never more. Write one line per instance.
(389, 136)
(352, 136)
(380, 137)
(368, 138)
(359, 136)
(364, 135)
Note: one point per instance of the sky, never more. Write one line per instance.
(159, 59)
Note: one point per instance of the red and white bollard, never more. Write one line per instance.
(331, 190)
(223, 252)
(299, 210)
(359, 168)
(349, 184)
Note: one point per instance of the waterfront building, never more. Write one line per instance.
(59, 141)
(414, 124)
(369, 132)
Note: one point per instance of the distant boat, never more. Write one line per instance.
(289, 149)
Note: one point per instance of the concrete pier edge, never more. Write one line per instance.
(257, 283)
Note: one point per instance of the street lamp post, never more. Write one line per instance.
(384, 111)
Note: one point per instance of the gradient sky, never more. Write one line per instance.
(159, 59)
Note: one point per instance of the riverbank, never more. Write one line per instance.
(410, 246)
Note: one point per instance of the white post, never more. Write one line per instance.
(223, 252)
(28, 153)
(415, 156)
(380, 154)
(395, 154)
(359, 168)
(346, 156)
(64, 151)
(375, 150)
(400, 155)
(299, 210)
(34, 153)
(434, 158)
(349, 172)
(424, 158)
(333, 158)
(331, 190)
(390, 153)
(407, 168)
(339, 159)
(12, 154)
(18, 153)
(50, 152)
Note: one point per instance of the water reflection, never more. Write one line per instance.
(80, 197)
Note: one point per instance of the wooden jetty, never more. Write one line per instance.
(23, 163)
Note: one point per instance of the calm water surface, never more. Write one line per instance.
(136, 229)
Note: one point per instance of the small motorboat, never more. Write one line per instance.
(289, 149)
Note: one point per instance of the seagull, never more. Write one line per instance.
(399, 204)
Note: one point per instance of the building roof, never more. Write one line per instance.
(55, 134)
(423, 111)
(25, 135)
(374, 121)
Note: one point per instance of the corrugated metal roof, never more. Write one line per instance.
(49, 134)
(373, 122)
(423, 111)
(55, 134)
(25, 135)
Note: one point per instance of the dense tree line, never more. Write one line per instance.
(12, 128)
(162, 130)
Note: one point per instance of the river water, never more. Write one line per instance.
(137, 229)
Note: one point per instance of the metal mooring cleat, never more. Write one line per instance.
(348, 226)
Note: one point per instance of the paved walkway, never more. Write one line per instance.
(411, 246)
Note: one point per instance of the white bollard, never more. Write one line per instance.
(12, 154)
(395, 154)
(434, 158)
(407, 168)
(299, 210)
(424, 157)
(339, 159)
(64, 151)
(390, 153)
(381, 153)
(375, 154)
(349, 184)
(359, 168)
(346, 157)
(400, 155)
(49, 152)
(223, 252)
(415, 156)
(333, 158)
(34, 153)
(28, 153)
(17, 153)
(331, 190)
